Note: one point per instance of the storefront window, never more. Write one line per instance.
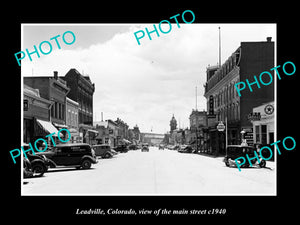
(264, 134)
(257, 134)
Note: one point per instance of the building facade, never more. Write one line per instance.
(262, 119)
(35, 108)
(55, 90)
(72, 120)
(224, 103)
(82, 91)
(152, 138)
(123, 132)
(198, 129)
(135, 135)
(107, 132)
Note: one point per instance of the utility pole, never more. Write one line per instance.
(196, 98)
(219, 47)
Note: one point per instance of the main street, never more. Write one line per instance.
(157, 172)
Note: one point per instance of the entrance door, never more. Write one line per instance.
(271, 137)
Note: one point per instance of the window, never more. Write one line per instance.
(257, 134)
(263, 134)
(55, 109)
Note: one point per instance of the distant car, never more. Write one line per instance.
(145, 148)
(80, 155)
(104, 151)
(235, 151)
(132, 147)
(161, 147)
(121, 148)
(186, 149)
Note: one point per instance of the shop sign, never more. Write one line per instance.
(254, 116)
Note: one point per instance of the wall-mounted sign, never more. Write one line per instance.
(254, 116)
(269, 109)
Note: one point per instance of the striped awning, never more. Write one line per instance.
(48, 127)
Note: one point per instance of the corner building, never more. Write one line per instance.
(223, 101)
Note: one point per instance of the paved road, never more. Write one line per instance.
(158, 172)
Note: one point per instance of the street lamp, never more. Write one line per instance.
(244, 141)
(221, 127)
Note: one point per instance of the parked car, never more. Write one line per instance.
(132, 147)
(27, 173)
(235, 151)
(80, 155)
(161, 147)
(145, 148)
(35, 164)
(121, 148)
(104, 151)
(186, 149)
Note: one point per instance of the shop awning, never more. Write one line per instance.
(126, 141)
(93, 131)
(48, 127)
(60, 125)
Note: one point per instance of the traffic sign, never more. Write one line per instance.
(221, 126)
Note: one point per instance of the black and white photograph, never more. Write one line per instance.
(134, 112)
(141, 116)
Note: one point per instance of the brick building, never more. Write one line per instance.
(223, 101)
(82, 91)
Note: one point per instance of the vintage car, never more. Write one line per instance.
(80, 155)
(34, 165)
(145, 148)
(235, 151)
(104, 151)
(121, 148)
(186, 149)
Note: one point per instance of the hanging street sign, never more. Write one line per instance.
(221, 126)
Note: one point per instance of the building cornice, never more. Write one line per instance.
(233, 74)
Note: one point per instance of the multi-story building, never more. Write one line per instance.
(123, 134)
(223, 101)
(135, 135)
(152, 138)
(81, 91)
(72, 120)
(107, 132)
(35, 109)
(54, 90)
(198, 126)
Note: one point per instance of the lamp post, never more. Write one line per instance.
(244, 141)
(221, 127)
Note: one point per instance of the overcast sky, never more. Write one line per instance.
(141, 84)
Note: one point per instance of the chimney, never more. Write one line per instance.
(55, 75)
(269, 39)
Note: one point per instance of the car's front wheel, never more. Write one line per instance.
(262, 164)
(38, 169)
(86, 164)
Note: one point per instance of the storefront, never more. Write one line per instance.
(42, 128)
(88, 134)
(262, 119)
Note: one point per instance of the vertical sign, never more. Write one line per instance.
(211, 105)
